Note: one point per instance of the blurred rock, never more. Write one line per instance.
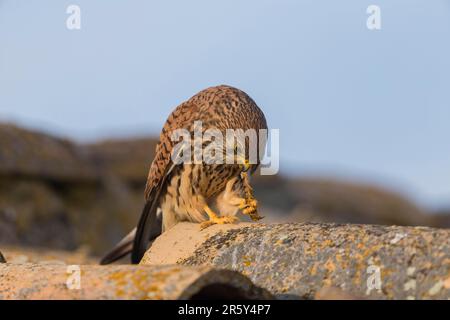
(26, 153)
(325, 200)
(128, 160)
(56, 194)
(440, 219)
(20, 255)
(344, 202)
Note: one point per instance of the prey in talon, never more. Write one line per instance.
(208, 191)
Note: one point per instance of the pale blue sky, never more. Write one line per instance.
(349, 102)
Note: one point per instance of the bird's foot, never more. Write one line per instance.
(218, 220)
(215, 219)
(250, 207)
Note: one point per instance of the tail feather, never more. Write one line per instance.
(123, 248)
(149, 227)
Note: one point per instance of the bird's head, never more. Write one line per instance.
(230, 153)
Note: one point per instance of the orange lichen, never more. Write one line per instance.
(330, 266)
(246, 261)
(313, 270)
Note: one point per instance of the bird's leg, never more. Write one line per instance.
(249, 205)
(215, 219)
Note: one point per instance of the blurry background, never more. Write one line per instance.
(363, 114)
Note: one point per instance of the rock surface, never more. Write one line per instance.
(58, 281)
(298, 260)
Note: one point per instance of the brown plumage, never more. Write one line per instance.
(195, 192)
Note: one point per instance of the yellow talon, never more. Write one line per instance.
(215, 219)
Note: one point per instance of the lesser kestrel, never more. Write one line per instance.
(205, 193)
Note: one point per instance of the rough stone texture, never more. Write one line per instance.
(181, 242)
(297, 260)
(58, 281)
(333, 293)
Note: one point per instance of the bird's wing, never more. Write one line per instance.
(150, 224)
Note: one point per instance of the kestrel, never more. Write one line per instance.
(205, 193)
